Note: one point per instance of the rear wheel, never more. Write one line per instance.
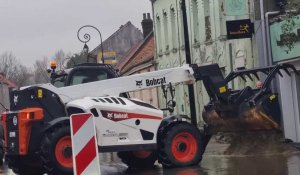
(1, 144)
(25, 165)
(180, 145)
(56, 151)
(138, 159)
(1, 153)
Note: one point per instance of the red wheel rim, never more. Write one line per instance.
(63, 152)
(184, 147)
(142, 154)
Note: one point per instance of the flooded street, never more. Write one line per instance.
(263, 155)
(211, 165)
(275, 165)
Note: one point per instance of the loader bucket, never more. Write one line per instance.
(245, 109)
(250, 120)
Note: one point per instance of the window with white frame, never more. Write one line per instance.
(173, 24)
(181, 30)
(207, 19)
(195, 13)
(158, 34)
(166, 33)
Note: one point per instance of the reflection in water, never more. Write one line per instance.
(211, 165)
(275, 165)
(294, 164)
(195, 170)
(4, 170)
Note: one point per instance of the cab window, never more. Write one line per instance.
(83, 76)
(59, 81)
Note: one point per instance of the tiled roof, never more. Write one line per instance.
(142, 53)
(120, 41)
(128, 55)
(116, 32)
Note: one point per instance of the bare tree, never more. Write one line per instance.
(8, 64)
(40, 71)
(13, 70)
(23, 76)
(59, 58)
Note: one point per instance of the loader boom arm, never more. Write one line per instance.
(211, 76)
(119, 85)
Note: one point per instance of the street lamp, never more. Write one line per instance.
(86, 48)
(87, 38)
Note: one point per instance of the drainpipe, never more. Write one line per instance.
(263, 27)
(188, 58)
(269, 55)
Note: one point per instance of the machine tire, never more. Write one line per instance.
(1, 145)
(138, 159)
(1, 153)
(23, 165)
(56, 151)
(180, 144)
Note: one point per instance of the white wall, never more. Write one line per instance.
(290, 105)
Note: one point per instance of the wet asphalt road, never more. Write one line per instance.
(245, 154)
(211, 165)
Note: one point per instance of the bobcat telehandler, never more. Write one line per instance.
(37, 131)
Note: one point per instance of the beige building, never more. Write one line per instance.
(208, 42)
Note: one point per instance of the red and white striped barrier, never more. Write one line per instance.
(84, 145)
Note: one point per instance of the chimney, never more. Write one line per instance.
(147, 24)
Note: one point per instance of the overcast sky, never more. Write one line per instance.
(32, 29)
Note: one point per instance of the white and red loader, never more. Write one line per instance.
(37, 130)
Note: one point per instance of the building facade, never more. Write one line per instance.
(289, 85)
(208, 42)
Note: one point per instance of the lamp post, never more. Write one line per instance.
(87, 38)
(85, 48)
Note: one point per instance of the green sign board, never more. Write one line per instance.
(280, 52)
(236, 7)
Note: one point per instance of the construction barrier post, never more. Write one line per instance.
(84, 145)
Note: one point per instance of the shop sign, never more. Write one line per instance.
(108, 57)
(239, 29)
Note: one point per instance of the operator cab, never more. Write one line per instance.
(82, 73)
(89, 72)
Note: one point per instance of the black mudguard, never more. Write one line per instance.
(167, 121)
(55, 122)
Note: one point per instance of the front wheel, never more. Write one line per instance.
(180, 145)
(138, 159)
(56, 151)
